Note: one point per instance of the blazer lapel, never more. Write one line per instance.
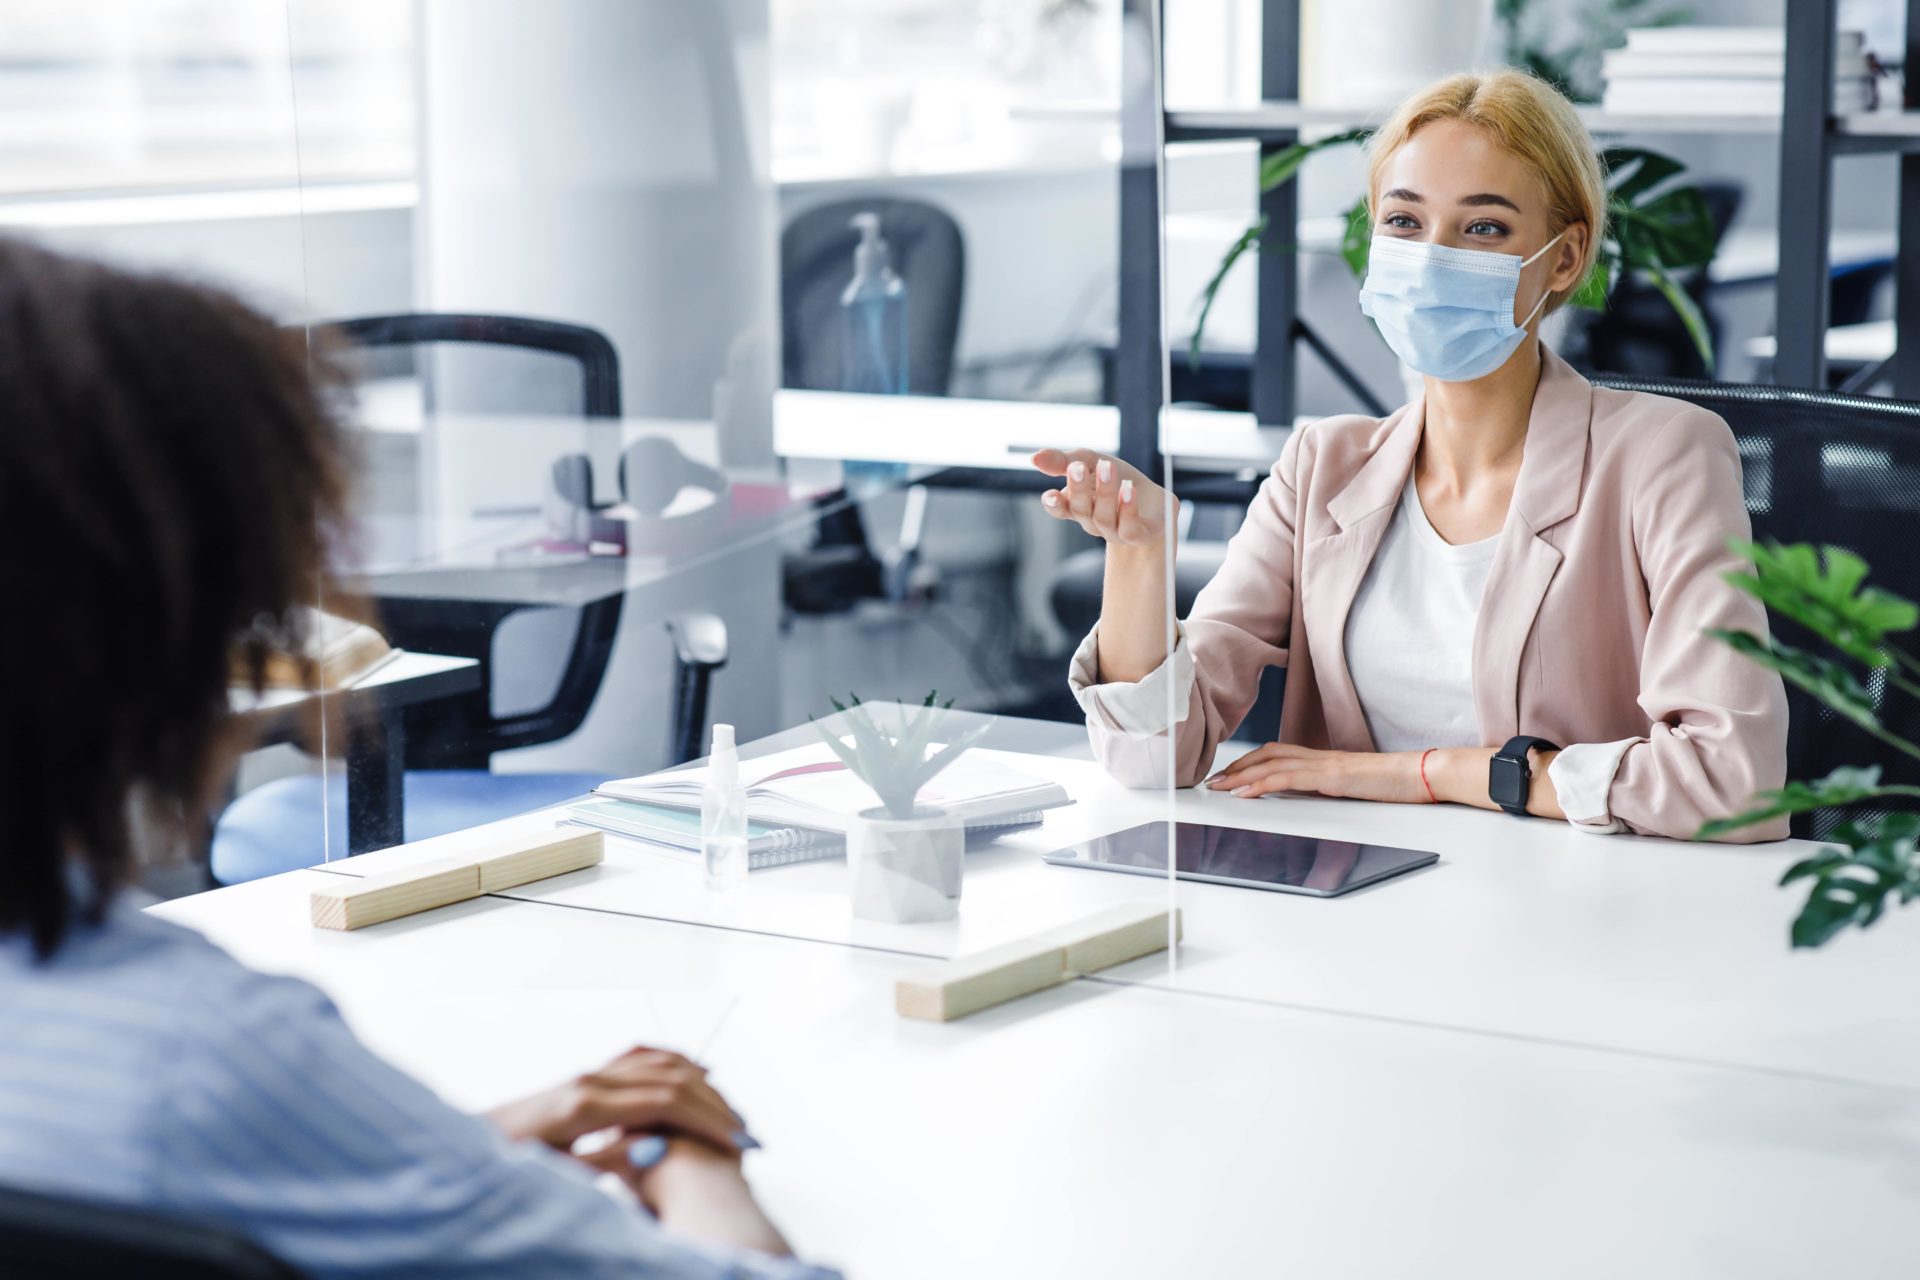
(1546, 492)
(1333, 567)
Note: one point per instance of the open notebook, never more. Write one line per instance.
(801, 802)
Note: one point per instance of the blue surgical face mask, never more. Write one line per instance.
(1446, 312)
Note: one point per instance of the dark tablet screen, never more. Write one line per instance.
(1255, 859)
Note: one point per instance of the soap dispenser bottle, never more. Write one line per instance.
(873, 317)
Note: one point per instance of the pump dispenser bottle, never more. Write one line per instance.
(873, 317)
(723, 814)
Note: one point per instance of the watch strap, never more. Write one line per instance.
(1515, 753)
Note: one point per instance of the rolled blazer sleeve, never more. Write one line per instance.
(1718, 722)
(1238, 627)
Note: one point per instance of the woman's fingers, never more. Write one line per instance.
(1240, 769)
(1079, 491)
(1104, 495)
(1052, 462)
(653, 1107)
(1278, 775)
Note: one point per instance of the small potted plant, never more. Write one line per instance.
(905, 858)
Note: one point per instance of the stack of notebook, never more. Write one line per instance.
(801, 802)
(1722, 70)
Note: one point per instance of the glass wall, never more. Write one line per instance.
(701, 386)
(786, 449)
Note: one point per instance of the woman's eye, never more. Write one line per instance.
(1485, 227)
(1400, 222)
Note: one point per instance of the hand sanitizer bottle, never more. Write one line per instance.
(873, 317)
(873, 341)
(723, 815)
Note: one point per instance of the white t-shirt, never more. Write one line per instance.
(1409, 637)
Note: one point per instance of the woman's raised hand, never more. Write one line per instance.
(1106, 497)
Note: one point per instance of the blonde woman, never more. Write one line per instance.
(1495, 596)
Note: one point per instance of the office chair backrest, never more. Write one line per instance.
(589, 349)
(1835, 470)
(816, 265)
(53, 1238)
(464, 732)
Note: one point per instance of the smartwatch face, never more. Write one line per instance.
(1507, 781)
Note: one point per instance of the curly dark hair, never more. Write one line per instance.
(172, 482)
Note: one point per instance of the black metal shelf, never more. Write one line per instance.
(1809, 139)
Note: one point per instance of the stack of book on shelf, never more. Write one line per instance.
(801, 802)
(1721, 71)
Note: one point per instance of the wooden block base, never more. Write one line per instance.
(955, 988)
(358, 903)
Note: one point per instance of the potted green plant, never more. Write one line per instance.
(904, 858)
(1656, 227)
(1876, 858)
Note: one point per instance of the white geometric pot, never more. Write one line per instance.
(906, 871)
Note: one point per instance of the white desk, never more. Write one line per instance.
(1102, 1129)
(1524, 928)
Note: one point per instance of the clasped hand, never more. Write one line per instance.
(641, 1098)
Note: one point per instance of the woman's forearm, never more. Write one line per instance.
(1458, 775)
(1133, 611)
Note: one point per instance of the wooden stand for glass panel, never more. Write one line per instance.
(956, 988)
(449, 880)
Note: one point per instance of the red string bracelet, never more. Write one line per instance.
(1431, 798)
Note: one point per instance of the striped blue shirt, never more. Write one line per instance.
(144, 1066)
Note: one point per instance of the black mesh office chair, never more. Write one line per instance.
(465, 732)
(1835, 470)
(449, 743)
(46, 1237)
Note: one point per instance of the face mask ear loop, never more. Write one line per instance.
(1529, 260)
(1543, 297)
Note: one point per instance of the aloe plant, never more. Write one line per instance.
(1876, 858)
(1656, 226)
(894, 761)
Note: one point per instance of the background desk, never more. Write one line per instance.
(376, 743)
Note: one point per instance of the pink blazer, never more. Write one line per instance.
(1592, 628)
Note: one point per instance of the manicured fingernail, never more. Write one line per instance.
(1104, 470)
(1051, 498)
(1126, 491)
(1241, 791)
(746, 1141)
(644, 1153)
(1077, 472)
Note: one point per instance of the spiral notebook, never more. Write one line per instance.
(801, 802)
(767, 845)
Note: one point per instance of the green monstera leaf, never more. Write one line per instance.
(1824, 592)
(1878, 859)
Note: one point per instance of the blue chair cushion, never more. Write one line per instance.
(276, 827)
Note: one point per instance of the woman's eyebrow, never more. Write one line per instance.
(1401, 193)
(1488, 197)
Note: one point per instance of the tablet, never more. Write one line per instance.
(1249, 859)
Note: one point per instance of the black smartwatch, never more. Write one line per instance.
(1510, 777)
